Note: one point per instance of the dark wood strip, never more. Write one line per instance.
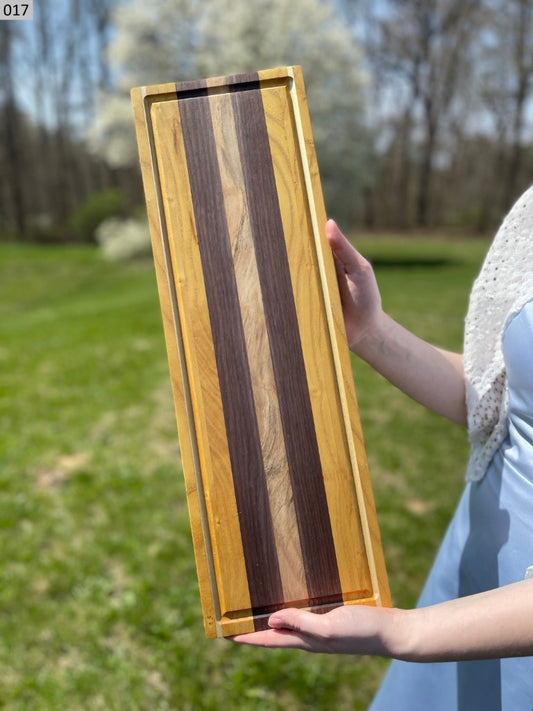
(312, 513)
(196, 87)
(230, 352)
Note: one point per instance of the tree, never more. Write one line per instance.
(14, 179)
(507, 83)
(426, 47)
(171, 40)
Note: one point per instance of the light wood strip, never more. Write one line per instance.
(312, 318)
(260, 363)
(223, 519)
(176, 358)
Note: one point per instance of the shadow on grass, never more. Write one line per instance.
(413, 262)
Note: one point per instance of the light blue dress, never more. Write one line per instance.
(489, 543)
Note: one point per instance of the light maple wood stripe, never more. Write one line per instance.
(176, 357)
(215, 464)
(312, 319)
(262, 375)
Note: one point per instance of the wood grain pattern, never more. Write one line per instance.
(284, 336)
(276, 478)
(200, 370)
(321, 374)
(242, 433)
(274, 454)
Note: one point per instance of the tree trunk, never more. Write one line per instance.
(13, 177)
(425, 180)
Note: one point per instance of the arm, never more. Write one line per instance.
(493, 624)
(430, 375)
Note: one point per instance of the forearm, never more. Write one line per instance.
(494, 624)
(430, 375)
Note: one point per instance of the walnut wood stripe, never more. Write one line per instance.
(294, 400)
(230, 351)
(277, 474)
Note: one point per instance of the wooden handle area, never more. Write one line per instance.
(277, 484)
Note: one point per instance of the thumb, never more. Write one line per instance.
(296, 620)
(344, 252)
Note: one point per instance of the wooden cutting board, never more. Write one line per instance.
(277, 483)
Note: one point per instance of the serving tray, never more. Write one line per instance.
(277, 483)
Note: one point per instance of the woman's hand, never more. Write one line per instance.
(430, 375)
(350, 629)
(493, 624)
(360, 297)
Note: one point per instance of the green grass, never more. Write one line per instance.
(99, 607)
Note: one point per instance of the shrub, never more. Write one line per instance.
(98, 207)
(122, 240)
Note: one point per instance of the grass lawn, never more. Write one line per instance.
(98, 601)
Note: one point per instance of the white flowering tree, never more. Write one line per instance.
(171, 40)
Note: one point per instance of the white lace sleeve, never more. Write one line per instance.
(504, 284)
